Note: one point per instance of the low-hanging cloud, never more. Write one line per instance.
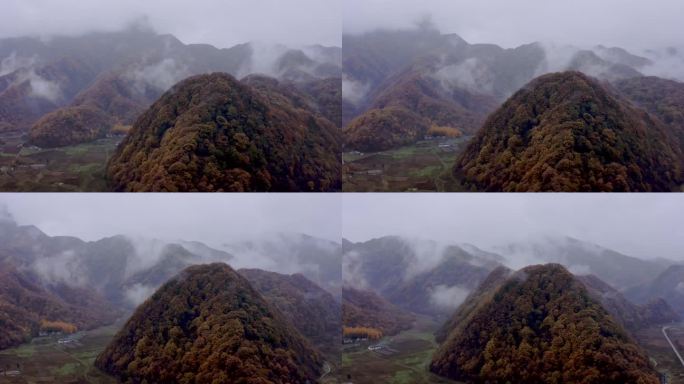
(138, 293)
(14, 62)
(680, 287)
(468, 74)
(448, 298)
(62, 268)
(354, 91)
(42, 88)
(161, 75)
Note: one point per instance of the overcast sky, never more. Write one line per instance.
(642, 225)
(631, 24)
(222, 23)
(210, 218)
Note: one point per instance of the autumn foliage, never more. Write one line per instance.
(215, 133)
(362, 332)
(26, 305)
(314, 312)
(208, 325)
(365, 309)
(68, 126)
(57, 326)
(444, 131)
(541, 325)
(566, 132)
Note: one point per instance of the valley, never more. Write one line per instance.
(537, 117)
(661, 352)
(418, 276)
(58, 358)
(74, 168)
(421, 167)
(78, 117)
(400, 359)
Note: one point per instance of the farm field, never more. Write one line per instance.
(423, 166)
(78, 168)
(46, 360)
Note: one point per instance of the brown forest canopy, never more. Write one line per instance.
(209, 325)
(214, 133)
(540, 325)
(566, 132)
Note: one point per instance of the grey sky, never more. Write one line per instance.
(210, 218)
(634, 24)
(642, 225)
(222, 23)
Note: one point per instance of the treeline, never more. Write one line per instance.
(362, 333)
(57, 326)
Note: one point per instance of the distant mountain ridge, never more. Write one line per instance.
(66, 81)
(399, 83)
(417, 275)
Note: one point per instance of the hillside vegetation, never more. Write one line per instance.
(209, 325)
(214, 133)
(540, 325)
(566, 132)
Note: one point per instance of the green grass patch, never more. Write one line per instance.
(430, 171)
(404, 152)
(427, 336)
(89, 168)
(24, 350)
(68, 369)
(403, 377)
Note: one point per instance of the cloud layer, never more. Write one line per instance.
(217, 22)
(642, 225)
(635, 24)
(213, 218)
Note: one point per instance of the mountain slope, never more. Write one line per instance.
(209, 325)
(314, 312)
(542, 326)
(365, 309)
(619, 270)
(565, 132)
(121, 73)
(660, 97)
(213, 133)
(668, 285)
(631, 316)
(25, 304)
(418, 275)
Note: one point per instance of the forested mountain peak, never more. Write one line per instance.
(215, 133)
(209, 325)
(541, 325)
(566, 132)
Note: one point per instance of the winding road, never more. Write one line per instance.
(672, 345)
